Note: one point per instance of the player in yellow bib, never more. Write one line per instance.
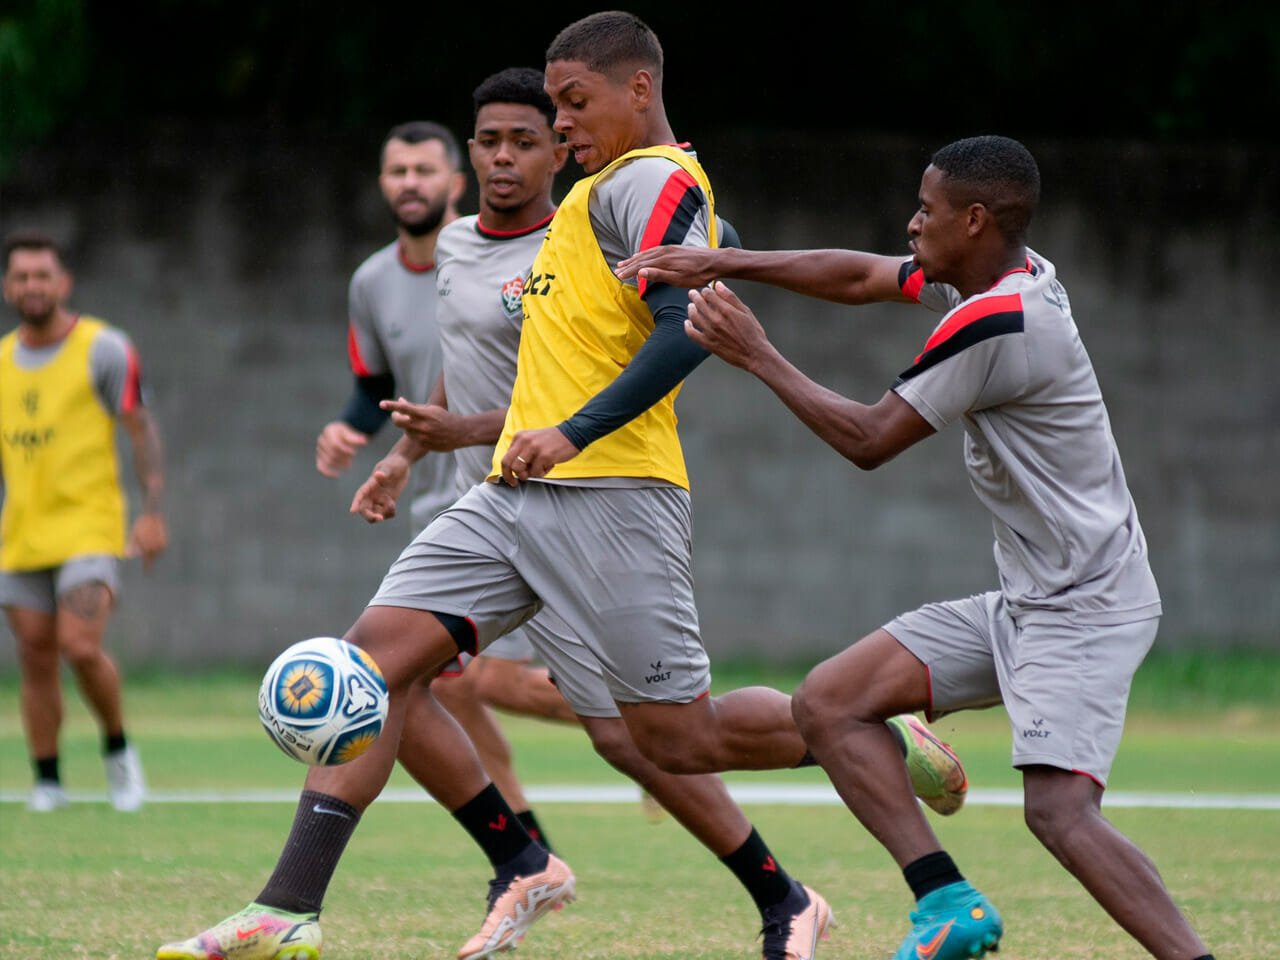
(65, 382)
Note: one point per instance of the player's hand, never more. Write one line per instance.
(676, 265)
(148, 538)
(723, 324)
(376, 499)
(533, 453)
(336, 447)
(430, 425)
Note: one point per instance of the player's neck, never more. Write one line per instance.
(516, 221)
(47, 334)
(420, 252)
(992, 272)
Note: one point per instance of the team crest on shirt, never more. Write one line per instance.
(511, 291)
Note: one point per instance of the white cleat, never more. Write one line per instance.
(126, 785)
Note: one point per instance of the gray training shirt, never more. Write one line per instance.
(393, 330)
(1010, 365)
(480, 276)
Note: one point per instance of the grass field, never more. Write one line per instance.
(88, 882)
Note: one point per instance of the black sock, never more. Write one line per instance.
(755, 868)
(494, 826)
(1207, 956)
(930, 872)
(47, 768)
(114, 742)
(322, 826)
(534, 828)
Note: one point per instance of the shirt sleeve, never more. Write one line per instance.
(364, 347)
(646, 203)
(976, 358)
(116, 372)
(938, 297)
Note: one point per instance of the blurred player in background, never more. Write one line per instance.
(1077, 608)
(393, 348)
(66, 380)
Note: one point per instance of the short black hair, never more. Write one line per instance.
(997, 172)
(31, 240)
(515, 85)
(607, 41)
(420, 131)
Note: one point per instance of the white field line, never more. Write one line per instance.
(768, 794)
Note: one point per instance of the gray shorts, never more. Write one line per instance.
(1064, 685)
(610, 565)
(40, 589)
(583, 683)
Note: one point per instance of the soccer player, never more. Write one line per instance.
(1077, 607)
(393, 348)
(482, 261)
(66, 380)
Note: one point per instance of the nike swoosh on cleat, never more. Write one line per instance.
(926, 951)
(246, 934)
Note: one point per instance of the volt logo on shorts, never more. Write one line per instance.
(658, 675)
(1036, 731)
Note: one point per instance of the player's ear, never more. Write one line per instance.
(978, 218)
(642, 88)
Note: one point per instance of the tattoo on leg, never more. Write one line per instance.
(88, 601)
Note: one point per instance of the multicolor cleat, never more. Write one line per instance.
(954, 922)
(937, 775)
(517, 904)
(255, 933)
(793, 927)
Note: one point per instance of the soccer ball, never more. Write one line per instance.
(323, 701)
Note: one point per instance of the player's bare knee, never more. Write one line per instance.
(614, 745)
(817, 702)
(1053, 818)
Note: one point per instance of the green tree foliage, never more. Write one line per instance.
(44, 50)
(1129, 69)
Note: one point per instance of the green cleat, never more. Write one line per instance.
(937, 775)
(255, 933)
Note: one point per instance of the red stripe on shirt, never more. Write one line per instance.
(132, 383)
(914, 284)
(971, 313)
(410, 265)
(358, 366)
(673, 191)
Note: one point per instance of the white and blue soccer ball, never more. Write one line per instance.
(323, 701)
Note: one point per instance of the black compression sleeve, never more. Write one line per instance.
(362, 410)
(662, 361)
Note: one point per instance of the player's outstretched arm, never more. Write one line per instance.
(434, 427)
(841, 276)
(865, 435)
(376, 498)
